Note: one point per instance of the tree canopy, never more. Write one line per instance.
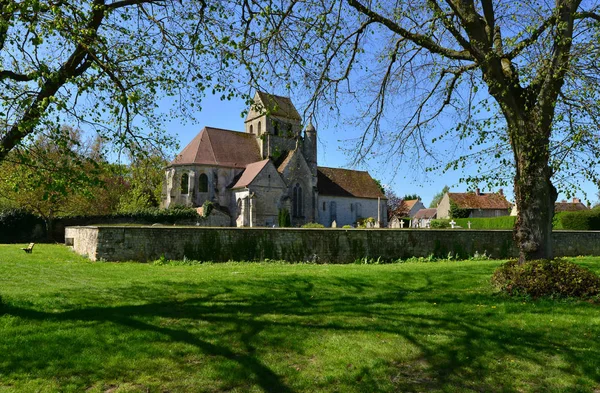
(104, 65)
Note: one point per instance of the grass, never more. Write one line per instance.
(71, 325)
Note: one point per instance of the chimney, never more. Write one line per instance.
(477, 191)
(576, 200)
(501, 192)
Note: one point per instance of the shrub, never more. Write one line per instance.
(364, 222)
(585, 220)
(502, 222)
(284, 219)
(207, 207)
(313, 225)
(440, 224)
(347, 226)
(555, 278)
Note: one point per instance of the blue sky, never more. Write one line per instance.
(334, 137)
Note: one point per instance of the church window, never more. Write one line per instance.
(185, 181)
(297, 201)
(203, 183)
(324, 206)
(258, 129)
(251, 129)
(275, 127)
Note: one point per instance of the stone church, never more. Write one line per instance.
(251, 176)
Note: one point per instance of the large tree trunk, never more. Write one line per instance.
(534, 193)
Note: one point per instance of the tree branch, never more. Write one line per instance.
(418, 39)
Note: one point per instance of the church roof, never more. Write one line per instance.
(219, 147)
(472, 200)
(425, 213)
(251, 171)
(278, 105)
(347, 183)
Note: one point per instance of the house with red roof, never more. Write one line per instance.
(253, 175)
(477, 204)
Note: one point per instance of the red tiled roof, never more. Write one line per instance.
(569, 207)
(470, 200)
(216, 146)
(410, 203)
(251, 171)
(346, 182)
(425, 213)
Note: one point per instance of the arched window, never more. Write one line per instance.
(251, 129)
(297, 201)
(203, 183)
(275, 127)
(258, 129)
(185, 182)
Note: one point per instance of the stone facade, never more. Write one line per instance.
(114, 243)
(270, 167)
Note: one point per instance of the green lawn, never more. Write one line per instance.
(71, 325)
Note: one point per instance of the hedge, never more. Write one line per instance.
(20, 226)
(585, 220)
(503, 222)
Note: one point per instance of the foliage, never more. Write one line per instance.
(60, 174)
(554, 278)
(457, 212)
(395, 205)
(283, 218)
(347, 227)
(313, 225)
(365, 222)
(19, 225)
(588, 220)
(411, 197)
(144, 177)
(502, 222)
(116, 60)
(440, 224)
(207, 208)
(380, 185)
(437, 198)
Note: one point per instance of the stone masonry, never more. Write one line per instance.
(116, 243)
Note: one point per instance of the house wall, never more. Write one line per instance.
(477, 213)
(348, 210)
(113, 243)
(416, 207)
(443, 208)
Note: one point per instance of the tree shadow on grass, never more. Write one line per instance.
(471, 348)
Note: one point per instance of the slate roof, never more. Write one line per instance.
(219, 147)
(347, 183)
(279, 106)
(251, 171)
(569, 207)
(425, 213)
(487, 201)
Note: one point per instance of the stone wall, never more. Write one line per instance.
(113, 243)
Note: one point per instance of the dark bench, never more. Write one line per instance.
(29, 248)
